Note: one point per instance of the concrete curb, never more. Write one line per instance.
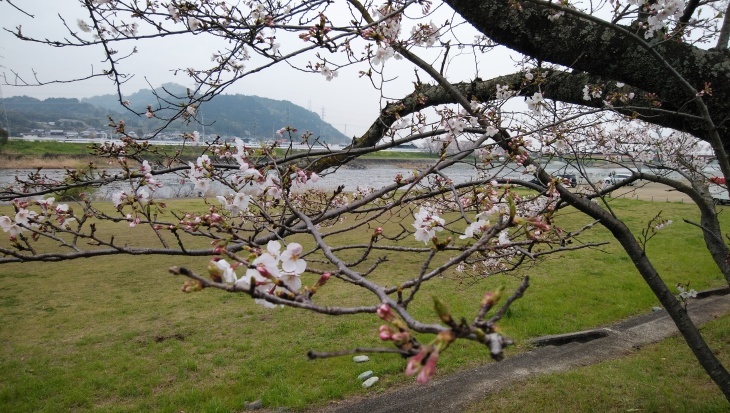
(555, 353)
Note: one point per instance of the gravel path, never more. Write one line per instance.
(650, 191)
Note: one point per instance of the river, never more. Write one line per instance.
(368, 174)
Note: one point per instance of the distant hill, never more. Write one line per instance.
(237, 115)
(225, 115)
(29, 113)
(139, 99)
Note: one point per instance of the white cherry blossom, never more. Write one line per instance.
(7, 224)
(427, 224)
(227, 273)
(119, 197)
(290, 261)
(504, 238)
(475, 229)
(23, 215)
(535, 102)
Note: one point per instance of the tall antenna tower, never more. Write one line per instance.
(4, 120)
(5, 124)
(321, 124)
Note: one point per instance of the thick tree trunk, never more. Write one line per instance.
(564, 87)
(603, 52)
(713, 240)
(711, 230)
(586, 46)
(707, 359)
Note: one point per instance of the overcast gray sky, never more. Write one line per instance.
(350, 103)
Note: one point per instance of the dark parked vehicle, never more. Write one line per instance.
(569, 180)
(615, 178)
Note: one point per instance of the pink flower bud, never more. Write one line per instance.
(385, 333)
(386, 313)
(415, 362)
(401, 337)
(323, 279)
(429, 368)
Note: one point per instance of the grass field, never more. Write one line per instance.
(44, 148)
(115, 334)
(662, 377)
(21, 154)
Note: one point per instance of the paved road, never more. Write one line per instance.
(452, 393)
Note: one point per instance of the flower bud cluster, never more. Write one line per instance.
(273, 272)
(424, 362)
(45, 217)
(396, 330)
(427, 223)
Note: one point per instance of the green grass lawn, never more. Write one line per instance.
(23, 148)
(116, 334)
(37, 151)
(44, 148)
(662, 377)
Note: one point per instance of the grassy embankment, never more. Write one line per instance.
(116, 334)
(17, 154)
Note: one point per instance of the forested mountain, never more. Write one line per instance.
(225, 115)
(26, 113)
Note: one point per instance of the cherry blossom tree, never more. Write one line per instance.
(633, 79)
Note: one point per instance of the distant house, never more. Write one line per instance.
(408, 146)
(56, 132)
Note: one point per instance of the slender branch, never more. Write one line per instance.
(724, 37)
(717, 237)
(308, 305)
(359, 350)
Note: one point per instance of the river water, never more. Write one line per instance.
(369, 174)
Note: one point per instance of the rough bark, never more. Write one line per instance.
(590, 47)
(564, 87)
(674, 308)
(586, 46)
(709, 222)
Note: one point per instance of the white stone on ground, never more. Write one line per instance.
(366, 375)
(369, 382)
